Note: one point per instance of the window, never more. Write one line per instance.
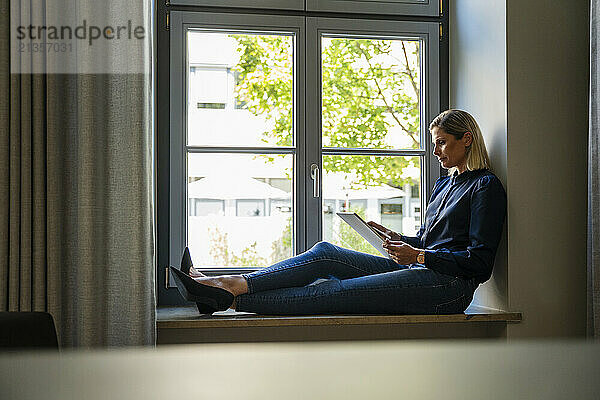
(250, 208)
(205, 207)
(210, 82)
(373, 85)
(391, 209)
(277, 122)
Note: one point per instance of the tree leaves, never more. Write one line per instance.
(370, 98)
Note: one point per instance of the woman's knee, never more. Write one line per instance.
(323, 248)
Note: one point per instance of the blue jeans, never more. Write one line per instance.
(328, 279)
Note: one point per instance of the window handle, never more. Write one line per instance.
(314, 174)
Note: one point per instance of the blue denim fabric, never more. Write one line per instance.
(328, 279)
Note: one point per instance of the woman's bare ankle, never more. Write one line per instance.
(236, 284)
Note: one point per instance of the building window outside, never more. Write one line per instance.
(250, 208)
(204, 207)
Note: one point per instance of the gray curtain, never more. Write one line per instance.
(76, 187)
(594, 177)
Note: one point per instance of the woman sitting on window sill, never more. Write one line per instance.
(435, 272)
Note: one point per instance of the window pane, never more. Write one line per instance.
(376, 188)
(250, 208)
(242, 215)
(240, 89)
(370, 93)
(203, 207)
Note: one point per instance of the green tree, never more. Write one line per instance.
(349, 238)
(282, 247)
(370, 90)
(222, 255)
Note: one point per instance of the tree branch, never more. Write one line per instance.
(389, 108)
(366, 97)
(412, 79)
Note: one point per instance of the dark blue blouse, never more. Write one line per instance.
(463, 225)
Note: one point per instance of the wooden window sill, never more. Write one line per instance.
(188, 317)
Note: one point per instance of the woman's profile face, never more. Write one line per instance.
(449, 151)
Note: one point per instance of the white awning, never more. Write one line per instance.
(225, 187)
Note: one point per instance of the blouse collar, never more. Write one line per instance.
(457, 178)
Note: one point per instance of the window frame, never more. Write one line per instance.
(181, 22)
(429, 8)
(389, 7)
(297, 5)
(167, 18)
(427, 32)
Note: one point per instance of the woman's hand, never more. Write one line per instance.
(383, 231)
(401, 252)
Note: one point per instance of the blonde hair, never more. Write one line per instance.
(457, 123)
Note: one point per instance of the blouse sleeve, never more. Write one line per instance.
(414, 241)
(488, 210)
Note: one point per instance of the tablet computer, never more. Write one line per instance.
(364, 230)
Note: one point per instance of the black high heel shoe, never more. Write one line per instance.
(208, 299)
(186, 265)
(186, 262)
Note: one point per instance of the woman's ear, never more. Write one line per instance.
(468, 138)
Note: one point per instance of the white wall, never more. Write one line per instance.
(531, 98)
(548, 70)
(478, 85)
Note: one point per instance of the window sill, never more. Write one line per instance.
(185, 325)
(188, 317)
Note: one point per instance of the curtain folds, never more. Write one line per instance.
(594, 176)
(76, 187)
